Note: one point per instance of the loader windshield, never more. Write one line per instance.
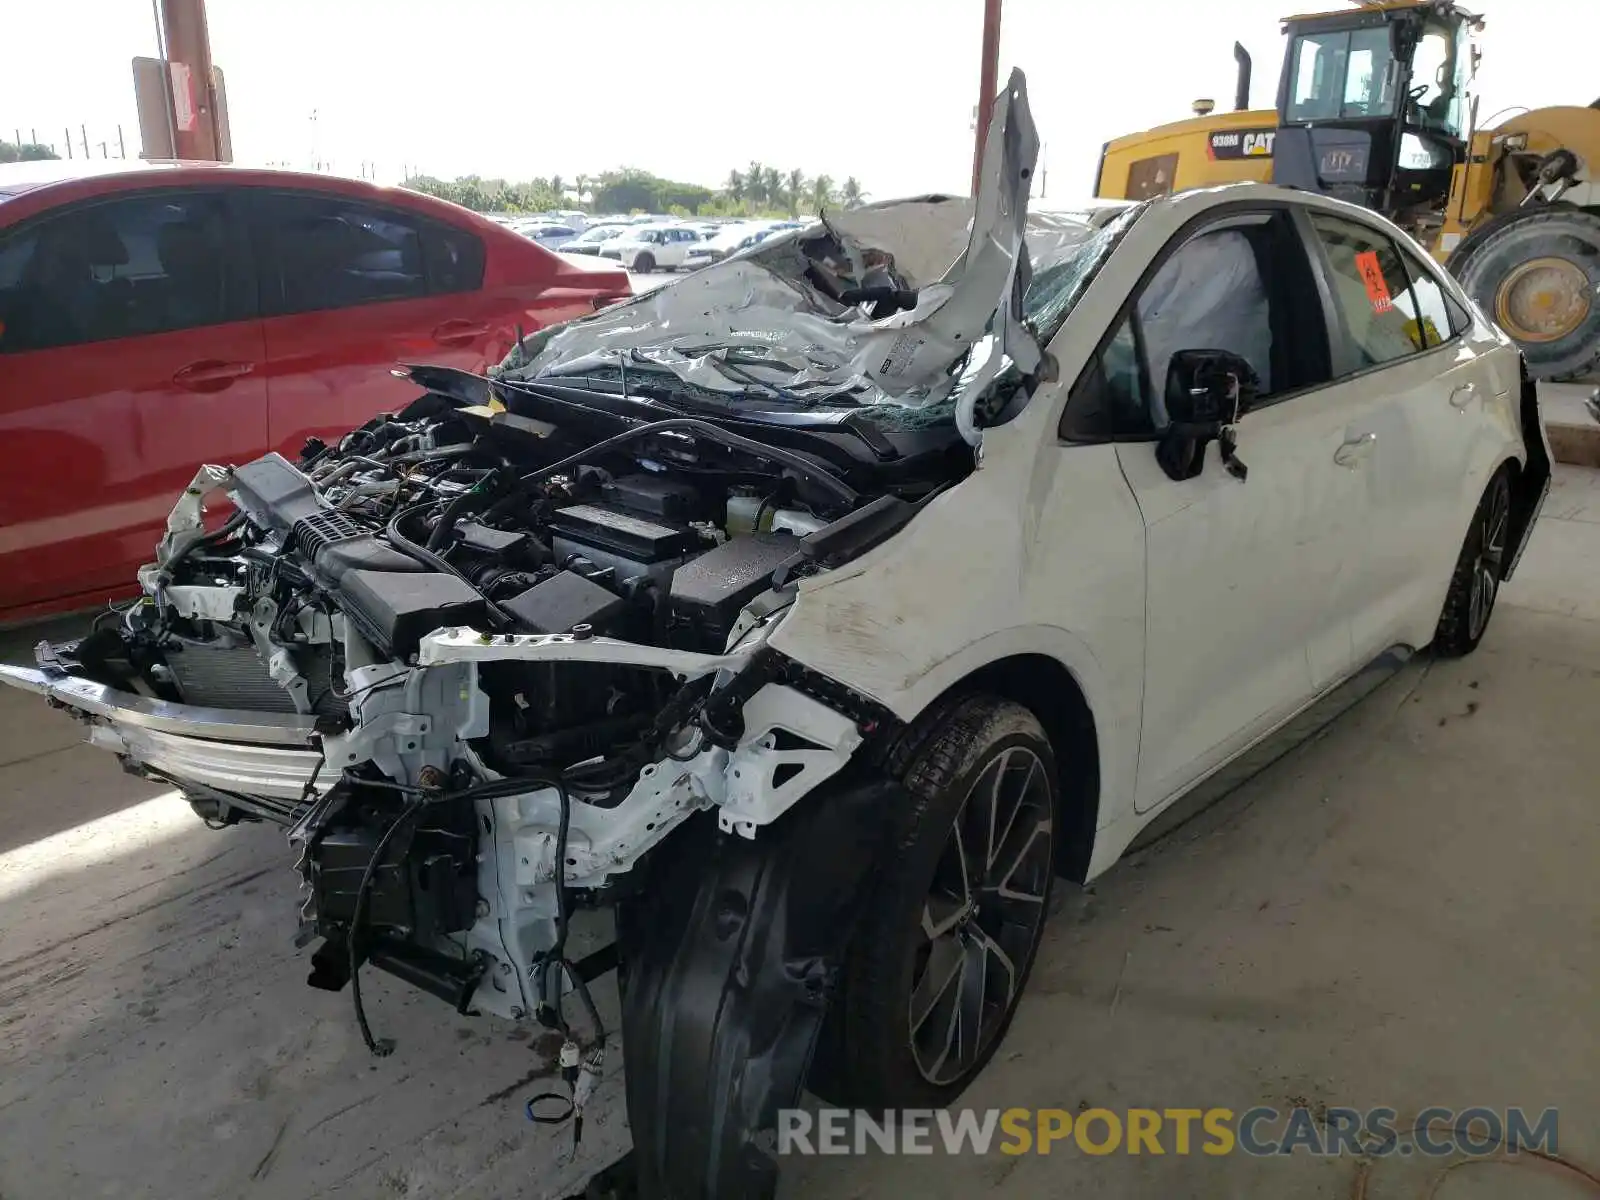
(1342, 75)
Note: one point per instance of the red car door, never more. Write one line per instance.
(350, 288)
(129, 355)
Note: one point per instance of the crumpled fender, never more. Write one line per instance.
(727, 969)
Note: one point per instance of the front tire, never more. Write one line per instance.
(951, 932)
(1480, 568)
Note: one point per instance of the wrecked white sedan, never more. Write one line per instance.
(810, 615)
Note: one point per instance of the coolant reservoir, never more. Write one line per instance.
(795, 521)
(744, 508)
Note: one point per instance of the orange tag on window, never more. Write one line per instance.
(1372, 276)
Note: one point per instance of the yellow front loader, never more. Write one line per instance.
(1375, 105)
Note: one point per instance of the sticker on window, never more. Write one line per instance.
(1372, 276)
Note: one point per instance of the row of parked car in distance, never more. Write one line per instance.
(645, 243)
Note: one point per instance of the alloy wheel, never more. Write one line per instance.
(1490, 564)
(982, 915)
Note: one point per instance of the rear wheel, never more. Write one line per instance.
(1537, 274)
(1475, 585)
(950, 935)
(645, 263)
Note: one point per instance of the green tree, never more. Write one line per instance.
(794, 190)
(760, 191)
(25, 152)
(821, 192)
(772, 186)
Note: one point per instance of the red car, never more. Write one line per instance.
(156, 317)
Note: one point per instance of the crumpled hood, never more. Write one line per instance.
(880, 304)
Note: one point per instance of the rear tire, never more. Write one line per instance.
(645, 263)
(1475, 583)
(1536, 273)
(951, 930)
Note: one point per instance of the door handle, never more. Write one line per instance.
(1464, 395)
(210, 374)
(1355, 451)
(458, 333)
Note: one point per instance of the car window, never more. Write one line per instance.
(1442, 317)
(1210, 295)
(1373, 292)
(452, 258)
(1109, 398)
(1245, 285)
(322, 252)
(136, 266)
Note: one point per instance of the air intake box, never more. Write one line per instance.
(397, 609)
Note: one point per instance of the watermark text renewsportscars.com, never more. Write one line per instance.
(1260, 1132)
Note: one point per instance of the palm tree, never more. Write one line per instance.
(772, 185)
(821, 192)
(734, 186)
(794, 189)
(851, 193)
(558, 186)
(755, 184)
(582, 184)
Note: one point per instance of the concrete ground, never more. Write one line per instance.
(1402, 913)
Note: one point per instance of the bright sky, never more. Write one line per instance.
(879, 89)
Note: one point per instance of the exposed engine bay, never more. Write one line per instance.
(522, 656)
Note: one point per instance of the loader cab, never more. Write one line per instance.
(1373, 104)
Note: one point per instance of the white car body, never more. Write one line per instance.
(647, 248)
(1194, 619)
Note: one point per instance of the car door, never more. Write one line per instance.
(349, 289)
(1239, 627)
(130, 354)
(1409, 377)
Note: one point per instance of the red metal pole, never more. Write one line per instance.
(988, 80)
(189, 45)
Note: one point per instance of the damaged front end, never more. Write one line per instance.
(500, 663)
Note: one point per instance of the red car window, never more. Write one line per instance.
(324, 252)
(136, 266)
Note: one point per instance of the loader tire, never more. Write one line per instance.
(1536, 274)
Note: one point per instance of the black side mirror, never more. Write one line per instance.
(1206, 392)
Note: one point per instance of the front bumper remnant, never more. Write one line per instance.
(262, 760)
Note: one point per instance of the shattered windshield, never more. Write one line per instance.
(874, 310)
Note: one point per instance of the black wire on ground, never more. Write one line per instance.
(555, 959)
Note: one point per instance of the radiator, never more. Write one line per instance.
(236, 677)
